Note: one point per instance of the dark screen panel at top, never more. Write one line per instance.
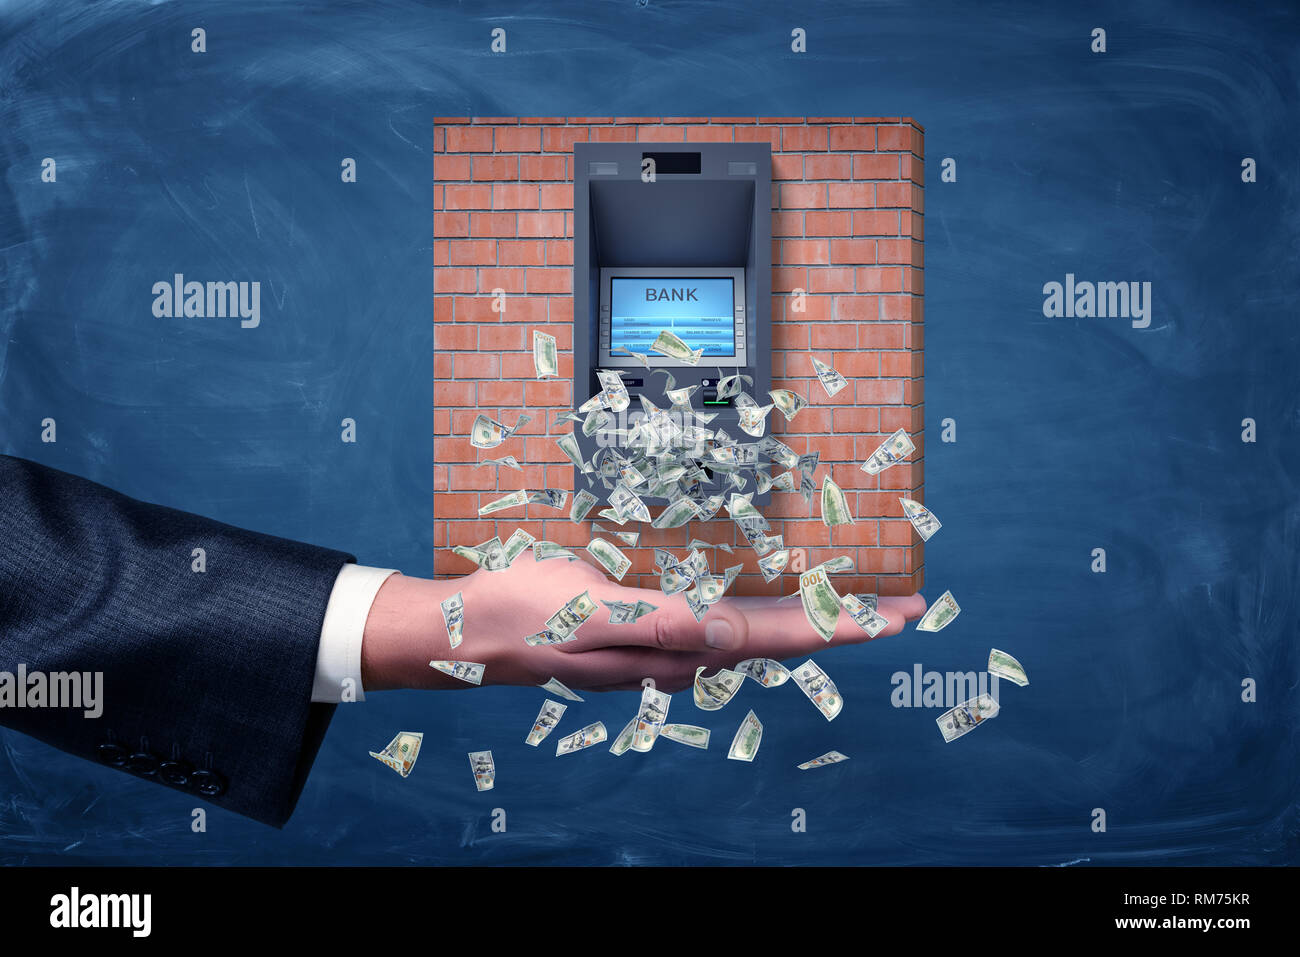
(699, 311)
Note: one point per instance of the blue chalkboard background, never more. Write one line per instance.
(1072, 434)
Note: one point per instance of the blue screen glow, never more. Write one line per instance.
(698, 311)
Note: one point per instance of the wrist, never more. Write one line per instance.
(404, 632)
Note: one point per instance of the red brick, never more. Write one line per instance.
(805, 251)
(857, 308)
(455, 280)
(849, 195)
(511, 280)
(492, 224)
(477, 139)
(832, 335)
(712, 134)
(830, 280)
(468, 197)
(501, 393)
(856, 421)
(517, 139)
(894, 194)
(455, 337)
(803, 195)
(557, 196)
(828, 224)
(853, 251)
(444, 309)
(895, 308)
(457, 505)
(444, 120)
(880, 279)
(827, 166)
(495, 167)
(522, 252)
(441, 252)
(879, 391)
(857, 364)
(894, 250)
(559, 252)
(787, 166)
(852, 138)
(450, 167)
(548, 392)
(550, 280)
(771, 134)
(874, 222)
(541, 167)
(612, 134)
(789, 335)
(451, 224)
(541, 224)
(498, 338)
(514, 196)
(441, 369)
(454, 393)
(803, 138)
(475, 365)
(785, 279)
(561, 139)
(894, 138)
(875, 166)
(560, 308)
(473, 252)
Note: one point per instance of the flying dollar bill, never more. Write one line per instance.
(676, 513)
(667, 344)
(628, 538)
(571, 615)
(554, 686)
(819, 688)
(712, 693)
(627, 502)
(831, 380)
(939, 615)
(610, 557)
(624, 740)
(744, 746)
(766, 671)
(650, 718)
(547, 638)
(771, 565)
(453, 616)
(626, 612)
(518, 543)
(968, 715)
(568, 444)
(1005, 666)
(868, 619)
(488, 433)
(401, 752)
(551, 497)
(588, 736)
(467, 671)
(615, 392)
(730, 385)
(890, 452)
(546, 721)
(508, 461)
(582, 503)
(543, 550)
(687, 734)
(922, 518)
(545, 361)
(821, 605)
(787, 402)
(485, 770)
(830, 757)
(835, 507)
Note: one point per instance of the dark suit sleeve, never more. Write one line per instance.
(207, 676)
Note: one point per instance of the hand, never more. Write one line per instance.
(502, 608)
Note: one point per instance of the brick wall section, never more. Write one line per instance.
(847, 227)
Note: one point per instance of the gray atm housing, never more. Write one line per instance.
(708, 208)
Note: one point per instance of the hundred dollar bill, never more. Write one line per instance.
(819, 688)
(574, 612)
(922, 518)
(624, 740)
(772, 564)
(740, 506)
(546, 721)
(695, 602)
(554, 686)
(485, 770)
(966, 717)
(667, 344)
(939, 615)
(568, 444)
(868, 599)
(453, 616)
(547, 638)
(766, 671)
(835, 507)
(787, 402)
(400, 753)
(508, 461)
(494, 554)
(676, 578)
(821, 604)
(686, 734)
(597, 401)
(890, 452)
(650, 718)
(1005, 666)
(730, 385)
(545, 361)
(751, 417)
(831, 380)
(468, 671)
(582, 503)
(596, 420)
(841, 563)
(626, 612)
(543, 550)
(591, 734)
(677, 513)
(613, 516)
(517, 544)
(665, 559)
(730, 574)
(626, 502)
(628, 538)
(868, 619)
(830, 757)
(681, 398)
(744, 746)
(712, 693)
(615, 392)
(488, 433)
(610, 557)
(696, 543)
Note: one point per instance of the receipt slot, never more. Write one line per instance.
(671, 237)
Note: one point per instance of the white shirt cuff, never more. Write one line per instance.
(338, 659)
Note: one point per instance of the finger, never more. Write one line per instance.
(780, 630)
(670, 627)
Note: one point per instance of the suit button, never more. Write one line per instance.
(112, 754)
(207, 783)
(175, 772)
(142, 762)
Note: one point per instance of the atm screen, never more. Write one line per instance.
(698, 310)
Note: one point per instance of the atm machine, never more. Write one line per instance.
(675, 237)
